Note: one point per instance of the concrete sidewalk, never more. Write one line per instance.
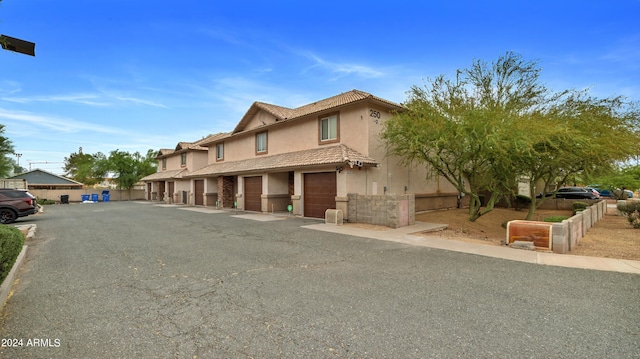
(407, 235)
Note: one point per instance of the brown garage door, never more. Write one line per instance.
(253, 193)
(199, 192)
(319, 193)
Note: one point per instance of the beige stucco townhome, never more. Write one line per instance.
(168, 184)
(323, 155)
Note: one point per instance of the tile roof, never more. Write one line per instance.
(342, 99)
(164, 152)
(211, 138)
(196, 146)
(330, 155)
(164, 175)
(284, 113)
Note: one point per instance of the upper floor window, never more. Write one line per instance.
(219, 151)
(164, 163)
(261, 143)
(183, 159)
(329, 128)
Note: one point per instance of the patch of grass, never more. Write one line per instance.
(11, 241)
(555, 219)
(579, 206)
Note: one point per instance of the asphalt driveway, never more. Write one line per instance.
(138, 280)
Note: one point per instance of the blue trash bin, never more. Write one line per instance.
(85, 197)
(105, 197)
(94, 197)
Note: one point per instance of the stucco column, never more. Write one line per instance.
(296, 198)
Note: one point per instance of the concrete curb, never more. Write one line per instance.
(404, 235)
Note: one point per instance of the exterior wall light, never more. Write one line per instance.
(17, 45)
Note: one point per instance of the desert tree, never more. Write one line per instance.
(466, 129)
(6, 151)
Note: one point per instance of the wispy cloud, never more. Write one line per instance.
(85, 99)
(140, 101)
(626, 52)
(104, 100)
(341, 70)
(9, 87)
(54, 124)
(224, 35)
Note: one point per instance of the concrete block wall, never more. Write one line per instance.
(560, 237)
(391, 210)
(567, 235)
(75, 195)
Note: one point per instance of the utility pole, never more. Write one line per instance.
(18, 155)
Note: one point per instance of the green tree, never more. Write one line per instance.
(130, 168)
(618, 179)
(17, 169)
(495, 124)
(6, 151)
(86, 168)
(466, 129)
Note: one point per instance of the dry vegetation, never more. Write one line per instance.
(611, 237)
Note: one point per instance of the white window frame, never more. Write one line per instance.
(262, 144)
(220, 152)
(329, 128)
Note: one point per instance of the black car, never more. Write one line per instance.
(16, 203)
(577, 193)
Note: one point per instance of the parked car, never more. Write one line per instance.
(577, 193)
(16, 203)
(611, 193)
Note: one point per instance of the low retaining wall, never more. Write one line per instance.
(435, 201)
(75, 195)
(392, 210)
(563, 203)
(567, 234)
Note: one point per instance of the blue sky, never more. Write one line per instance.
(135, 75)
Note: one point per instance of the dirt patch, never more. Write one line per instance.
(611, 237)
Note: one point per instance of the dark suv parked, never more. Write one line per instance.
(16, 203)
(577, 193)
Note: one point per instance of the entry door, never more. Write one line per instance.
(172, 186)
(319, 193)
(161, 191)
(253, 193)
(199, 192)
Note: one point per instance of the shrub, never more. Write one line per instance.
(579, 206)
(43, 201)
(555, 219)
(522, 201)
(631, 210)
(11, 242)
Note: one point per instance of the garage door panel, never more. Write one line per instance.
(319, 193)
